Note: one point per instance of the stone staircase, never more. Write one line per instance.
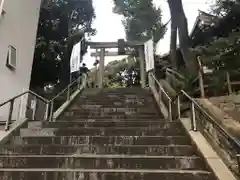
(115, 134)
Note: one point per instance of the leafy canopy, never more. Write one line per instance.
(222, 7)
(141, 20)
(58, 29)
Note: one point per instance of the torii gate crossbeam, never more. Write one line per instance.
(106, 45)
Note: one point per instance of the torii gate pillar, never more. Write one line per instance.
(101, 68)
(105, 45)
(142, 67)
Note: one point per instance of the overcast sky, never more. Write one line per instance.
(109, 26)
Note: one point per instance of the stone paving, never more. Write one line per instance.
(116, 134)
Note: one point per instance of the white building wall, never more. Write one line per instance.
(18, 27)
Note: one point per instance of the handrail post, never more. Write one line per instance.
(229, 83)
(160, 94)
(9, 115)
(47, 112)
(193, 117)
(51, 111)
(238, 161)
(68, 93)
(79, 82)
(151, 81)
(34, 108)
(170, 110)
(85, 81)
(178, 107)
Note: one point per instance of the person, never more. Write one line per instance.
(83, 70)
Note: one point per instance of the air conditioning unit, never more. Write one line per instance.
(12, 57)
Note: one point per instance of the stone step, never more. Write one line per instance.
(101, 140)
(125, 90)
(115, 105)
(117, 96)
(109, 112)
(126, 93)
(134, 90)
(112, 98)
(107, 174)
(120, 99)
(138, 94)
(102, 162)
(149, 150)
(132, 93)
(116, 131)
(112, 110)
(79, 124)
(112, 118)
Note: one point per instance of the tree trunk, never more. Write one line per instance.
(173, 40)
(184, 43)
(65, 64)
(173, 45)
(178, 17)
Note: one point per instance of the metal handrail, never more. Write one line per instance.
(195, 105)
(162, 90)
(67, 89)
(175, 73)
(12, 100)
(26, 92)
(225, 133)
(211, 119)
(48, 102)
(160, 86)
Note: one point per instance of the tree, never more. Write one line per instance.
(142, 20)
(179, 24)
(137, 14)
(123, 73)
(222, 7)
(221, 55)
(58, 30)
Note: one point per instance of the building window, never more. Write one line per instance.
(11, 57)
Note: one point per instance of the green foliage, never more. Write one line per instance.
(142, 20)
(58, 31)
(222, 54)
(115, 85)
(120, 73)
(222, 7)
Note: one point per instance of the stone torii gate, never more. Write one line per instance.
(102, 46)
